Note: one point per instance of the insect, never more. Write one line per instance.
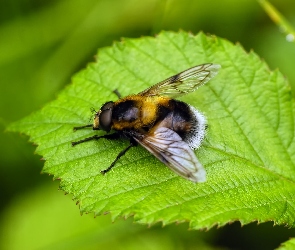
(169, 129)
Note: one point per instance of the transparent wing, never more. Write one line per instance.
(169, 148)
(184, 82)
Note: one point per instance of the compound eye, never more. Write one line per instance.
(105, 117)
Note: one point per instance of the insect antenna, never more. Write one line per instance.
(93, 111)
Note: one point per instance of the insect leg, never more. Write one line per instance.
(81, 127)
(123, 152)
(113, 136)
(117, 93)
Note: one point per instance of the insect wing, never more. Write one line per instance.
(169, 148)
(184, 82)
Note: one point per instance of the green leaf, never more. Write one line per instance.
(52, 222)
(290, 244)
(248, 153)
(279, 20)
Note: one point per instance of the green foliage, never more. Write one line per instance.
(279, 19)
(248, 152)
(290, 244)
(47, 220)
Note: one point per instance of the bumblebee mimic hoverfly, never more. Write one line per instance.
(167, 128)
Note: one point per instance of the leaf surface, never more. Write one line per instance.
(248, 152)
(290, 244)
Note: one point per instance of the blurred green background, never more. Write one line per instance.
(42, 44)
